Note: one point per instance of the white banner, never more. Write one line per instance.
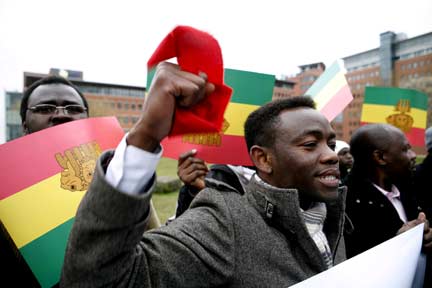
(394, 263)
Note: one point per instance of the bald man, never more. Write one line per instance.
(379, 204)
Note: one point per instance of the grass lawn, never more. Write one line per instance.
(420, 159)
(167, 167)
(165, 204)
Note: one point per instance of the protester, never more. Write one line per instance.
(54, 100)
(192, 171)
(285, 228)
(48, 102)
(378, 206)
(345, 159)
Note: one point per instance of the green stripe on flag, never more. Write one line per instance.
(45, 255)
(391, 96)
(248, 87)
(150, 75)
(323, 80)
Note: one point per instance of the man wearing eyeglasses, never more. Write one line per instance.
(51, 101)
(54, 100)
(48, 102)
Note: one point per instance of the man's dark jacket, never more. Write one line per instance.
(373, 216)
(423, 185)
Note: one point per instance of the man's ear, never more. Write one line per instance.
(24, 127)
(261, 157)
(379, 157)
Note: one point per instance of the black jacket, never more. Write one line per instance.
(423, 185)
(373, 216)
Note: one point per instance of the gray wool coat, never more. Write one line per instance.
(224, 240)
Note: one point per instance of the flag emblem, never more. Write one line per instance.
(78, 164)
(207, 139)
(402, 120)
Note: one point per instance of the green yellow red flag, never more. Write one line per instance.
(250, 91)
(403, 108)
(331, 91)
(44, 176)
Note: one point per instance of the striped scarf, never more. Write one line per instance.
(314, 219)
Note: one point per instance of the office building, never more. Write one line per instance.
(398, 62)
(13, 119)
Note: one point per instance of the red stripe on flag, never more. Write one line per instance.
(30, 159)
(415, 136)
(337, 103)
(233, 150)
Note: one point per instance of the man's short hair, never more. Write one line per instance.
(52, 79)
(260, 127)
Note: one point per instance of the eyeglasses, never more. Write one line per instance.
(47, 109)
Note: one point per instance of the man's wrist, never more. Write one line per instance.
(142, 140)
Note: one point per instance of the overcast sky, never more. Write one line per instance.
(111, 41)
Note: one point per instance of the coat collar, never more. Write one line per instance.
(280, 208)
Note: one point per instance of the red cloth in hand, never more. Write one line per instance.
(196, 51)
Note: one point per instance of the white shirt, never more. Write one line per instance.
(393, 197)
(132, 168)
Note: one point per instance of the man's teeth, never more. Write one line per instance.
(329, 178)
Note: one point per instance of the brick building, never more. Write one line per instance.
(283, 89)
(398, 62)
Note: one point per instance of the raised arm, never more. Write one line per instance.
(106, 246)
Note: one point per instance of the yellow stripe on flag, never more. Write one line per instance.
(38, 209)
(236, 114)
(331, 89)
(373, 113)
